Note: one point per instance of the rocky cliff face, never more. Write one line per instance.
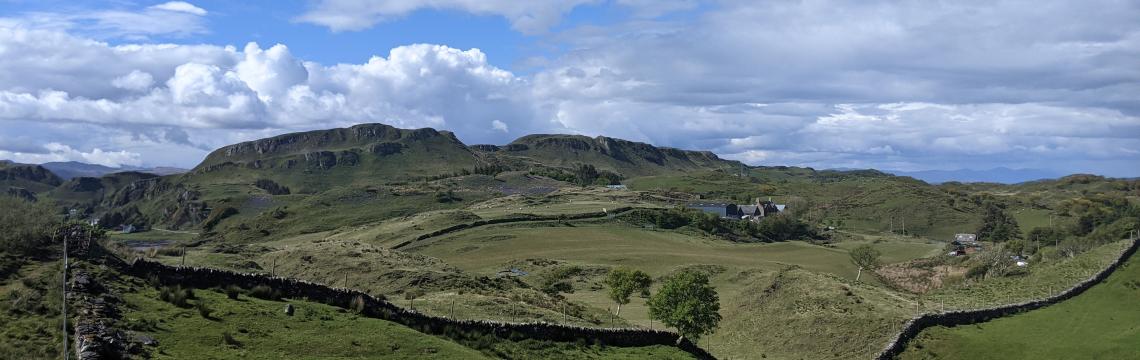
(21, 193)
(626, 157)
(30, 173)
(324, 149)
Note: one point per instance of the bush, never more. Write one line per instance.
(203, 309)
(168, 251)
(447, 197)
(265, 292)
(176, 295)
(271, 187)
(977, 271)
(558, 280)
(413, 294)
(154, 281)
(26, 226)
(357, 304)
(232, 292)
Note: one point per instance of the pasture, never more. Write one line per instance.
(487, 249)
(1099, 324)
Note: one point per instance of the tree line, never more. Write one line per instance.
(772, 228)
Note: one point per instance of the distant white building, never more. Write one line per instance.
(966, 238)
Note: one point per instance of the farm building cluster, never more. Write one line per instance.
(755, 212)
(965, 244)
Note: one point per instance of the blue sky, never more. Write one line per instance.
(827, 84)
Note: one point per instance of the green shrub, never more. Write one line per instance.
(203, 309)
(232, 292)
(977, 271)
(265, 292)
(26, 226)
(169, 251)
(357, 304)
(153, 281)
(176, 295)
(413, 294)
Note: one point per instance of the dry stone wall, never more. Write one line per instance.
(382, 309)
(965, 317)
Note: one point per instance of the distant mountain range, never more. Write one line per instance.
(72, 169)
(999, 175)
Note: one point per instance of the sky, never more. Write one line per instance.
(893, 85)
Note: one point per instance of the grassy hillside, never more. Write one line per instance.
(624, 157)
(1099, 324)
(29, 314)
(489, 249)
(261, 330)
(865, 201)
(33, 178)
(793, 294)
(88, 193)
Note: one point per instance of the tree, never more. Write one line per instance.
(687, 303)
(623, 282)
(865, 257)
(25, 227)
(998, 225)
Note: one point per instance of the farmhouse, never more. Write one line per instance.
(966, 238)
(724, 211)
(753, 212)
(965, 244)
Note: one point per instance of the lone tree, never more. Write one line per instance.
(864, 256)
(623, 282)
(687, 302)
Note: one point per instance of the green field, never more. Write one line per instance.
(861, 201)
(261, 330)
(489, 249)
(815, 282)
(265, 332)
(29, 312)
(1029, 219)
(1102, 323)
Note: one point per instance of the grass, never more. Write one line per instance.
(1044, 278)
(862, 201)
(1098, 324)
(813, 302)
(29, 312)
(253, 328)
(259, 329)
(1028, 219)
(488, 249)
